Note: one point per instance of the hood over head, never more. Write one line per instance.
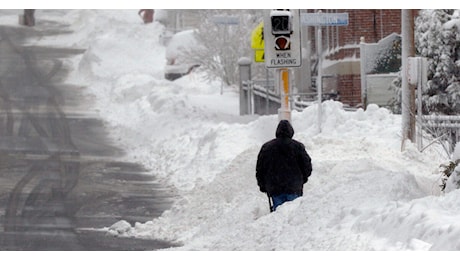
(284, 129)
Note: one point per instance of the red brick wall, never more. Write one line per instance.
(349, 89)
(373, 25)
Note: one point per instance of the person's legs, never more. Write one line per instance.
(290, 197)
(277, 200)
(280, 199)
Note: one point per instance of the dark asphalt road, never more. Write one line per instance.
(60, 175)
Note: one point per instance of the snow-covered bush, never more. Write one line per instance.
(450, 172)
(389, 58)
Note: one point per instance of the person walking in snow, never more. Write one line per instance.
(283, 166)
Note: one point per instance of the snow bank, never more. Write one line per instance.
(352, 175)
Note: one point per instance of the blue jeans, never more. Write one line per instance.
(280, 199)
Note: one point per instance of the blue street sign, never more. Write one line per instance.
(324, 19)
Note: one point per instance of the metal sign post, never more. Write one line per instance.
(319, 81)
(322, 19)
(285, 110)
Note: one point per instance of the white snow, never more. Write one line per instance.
(364, 192)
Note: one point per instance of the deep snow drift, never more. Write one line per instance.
(364, 192)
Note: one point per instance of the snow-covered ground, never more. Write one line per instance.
(364, 192)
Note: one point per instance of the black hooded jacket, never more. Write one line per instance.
(283, 164)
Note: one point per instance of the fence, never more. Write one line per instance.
(374, 82)
(262, 98)
(444, 129)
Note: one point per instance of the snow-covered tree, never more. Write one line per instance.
(437, 37)
(224, 44)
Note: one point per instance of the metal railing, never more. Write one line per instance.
(443, 128)
(263, 98)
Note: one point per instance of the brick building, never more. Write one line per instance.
(341, 47)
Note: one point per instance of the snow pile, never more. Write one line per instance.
(420, 224)
(353, 176)
(363, 194)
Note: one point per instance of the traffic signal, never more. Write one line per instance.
(282, 45)
(281, 22)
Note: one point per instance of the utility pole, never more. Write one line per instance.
(408, 90)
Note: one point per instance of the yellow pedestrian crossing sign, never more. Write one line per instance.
(257, 43)
(259, 55)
